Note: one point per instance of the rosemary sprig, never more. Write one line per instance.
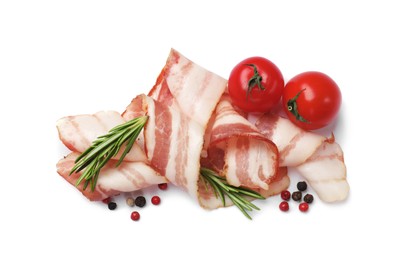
(104, 148)
(236, 194)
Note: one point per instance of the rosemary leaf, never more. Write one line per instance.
(93, 159)
(235, 194)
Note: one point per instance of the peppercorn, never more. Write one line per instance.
(284, 206)
(155, 200)
(106, 200)
(303, 207)
(308, 198)
(285, 195)
(297, 196)
(140, 201)
(162, 186)
(302, 186)
(112, 205)
(130, 202)
(135, 215)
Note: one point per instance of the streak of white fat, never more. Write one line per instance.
(80, 130)
(331, 190)
(208, 97)
(305, 147)
(189, 98)
(258, 159)
(284, 133)
(109, 119)
(230, 156)
(173, 149)
(232, 118)
(129, 176)
(323, 170)
(111, 178)
(149, 130)
(194, 101)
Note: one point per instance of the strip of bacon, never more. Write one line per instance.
(173, 142)
(184, 98)
(250, 159)
(318, 159)
(78, 132)
(188, 87)
(127, 177)
(326, 172)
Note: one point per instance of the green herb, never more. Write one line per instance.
(104, 148)
(236, 194)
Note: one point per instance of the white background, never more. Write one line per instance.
(60, 58)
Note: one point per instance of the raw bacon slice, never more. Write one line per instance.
(127, 177)
(185, 97)
(78, 132)
(173, 142)
(319, 159)
(294, 144)
(250, 159)
(190, 88)
(326, 172)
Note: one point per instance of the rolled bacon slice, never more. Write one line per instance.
(249, 158)
(188, 87)
(78, 132)
(127, 177)
(319, 159)
(173, 142)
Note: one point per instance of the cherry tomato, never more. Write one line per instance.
(311, 100)
(255, 85)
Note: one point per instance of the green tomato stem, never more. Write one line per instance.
(293, 108)
(255, 80)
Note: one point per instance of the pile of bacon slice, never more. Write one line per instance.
(192, 124)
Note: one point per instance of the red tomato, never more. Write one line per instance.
(311, 100)
(255, 85)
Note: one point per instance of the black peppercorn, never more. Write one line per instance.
(302, 186)
(297, 196)
(112, 205)
(308, 198)
(140, 201)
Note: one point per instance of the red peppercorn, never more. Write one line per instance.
(106, 200)
(162, 186)
(284, 206)
(285, 195)
(303, 207)
(135, 215)
(155, 200)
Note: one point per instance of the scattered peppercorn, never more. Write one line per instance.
(140, 201)
(308, 198)
(155, 200)
(297, 196)
(130, 202)
(106, 200)
(285, 195)
(135, 215)
(302, 186)
(284, 206)
(162, 186)
(303, 206)
(112, 205)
